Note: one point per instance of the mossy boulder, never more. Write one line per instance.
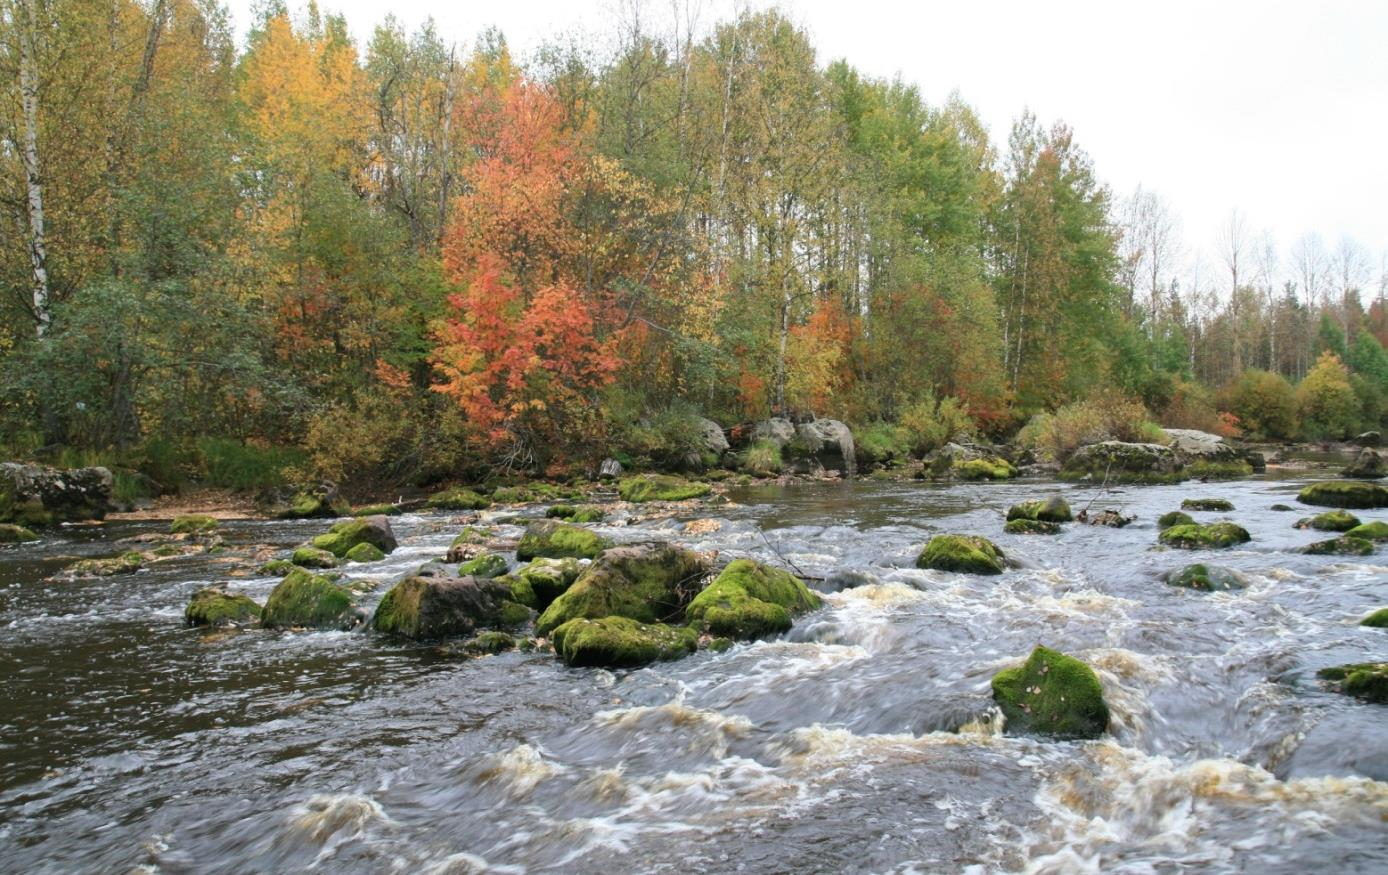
(1365, 680)
(969, 554)
(1193, 536)
(1210, 504)
(1175, 518)
(277, 567)
(217, 607)
(1214, 469)
(536, 491)
(539, 583)
(364, 552)
(1344, 493)
(1377, 620)
(556, 540)
(660, 487)
(1368, 465)
(308, 505)
(651, 583)
(620, 642)
(1052, 694)
(1031, 527)
(12, 534)
(425, 608)
(193, 524)
(1206, 578)
(749, 600)
(988, 468)
(343, 536)
(1341, 546)
(576, 513)
(1121, 462)
(1330, 521)
(309, 601)
(377, 510)
(457, 499)
(468, 543)
(34, 495)
(490, 642)
(488, 565)
(1372, 531)
(312, 557)
(126, 563)
(1052, 510)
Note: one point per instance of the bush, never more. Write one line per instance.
(1326, 400)
(930, 425)
(666, 439)
(1265, 404)
(1105, 418)
(763, 457)
(881, 442)
(369, 442)
(1192, 406)
(230, 464)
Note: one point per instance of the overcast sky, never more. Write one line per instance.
(1277, 109)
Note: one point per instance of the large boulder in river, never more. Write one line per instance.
(1368, 465)
(618, 642)
(1208, 455)
(749, 600)
(712, 436)
(217, 607)
(556, 540)
(37, 495)
(538, 584)
(650, 583)
(1193, 536)
(424, 608)
(342, 537)
(322, 502)
(1053, 510)
(1122, 462)
(1052, 694)
(1365, 680)
(309, 601)
(823, 444)
(777, 429)
(969, 554)
(1344, 493)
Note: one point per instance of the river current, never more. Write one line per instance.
(864, 740)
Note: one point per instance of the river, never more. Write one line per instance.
(862, 741)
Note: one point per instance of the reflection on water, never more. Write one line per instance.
(865, 740)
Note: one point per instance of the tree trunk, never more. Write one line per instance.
(33, 175)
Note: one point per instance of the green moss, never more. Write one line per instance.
(514, 615)
(310, 601)
(1377, 620)
(217, 607)
(1344, 493)
(538, 584)
(969, 554)
(490, 642)
(12, 534)
(349, 533)
(279, 567)
(1282, 507)
(763, 458)
(1373, 531)
(1330, 521)
(364, 552)
(398, 612)
(1192, 536)
(1175, 518)
(1053, 510)
(377, 510)
(1213, 504)
(470, 535)
(576, 513)
(1116, 462)
(1341, 546)
(1223, 470)
(749, 600)
(312, 557)
(489, 565)
(659, 487)
(618, 642)
(556, 540)
(192, 524)
(991, 468)
(647, 582)
(1207, 578)
(456, 499)
(718, 645)
(1031, 527)
(126, 563)
(1365, 680)
(1052, 694)
(307, 506)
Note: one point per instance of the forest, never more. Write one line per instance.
(420, 260)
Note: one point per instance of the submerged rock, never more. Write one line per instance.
(1193, 536)
(1175, 518)
(377, 510)
(424, 608)
(1207, 578)
(1031, 527)
(457, 499)
(1344, 493)
(1052, 694)
(749, 600)
(1330, 521)
(1052, 510)
(193, 524)
(1121, 462)
(969, 554)
(1345, 545)
(619, 642)
(650, 583)
(373, 530)
(12, 534)
(490, 642)
(309, 601)
(1368, 465)
(217, 607)
(1209, 504)
(278, 567)
(555, 540)
(1365, 680)
(1377, 620)
(1371, 531)
(660, 487)
(1110, 518)
(538, 584)
(125, 563)
(37, 495)
(576, 513)
(489, 565)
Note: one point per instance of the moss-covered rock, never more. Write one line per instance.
(1052, 510)
(468, 543)
(457, 499)
(556, 540)
(1206, 578)
(988, 468)
(1330, 521)
(1372, 531)
(660, 487)
(1282, 508)
(312, 557)
(343, 536)
(1031, 527)
(970, 554)
(309, 601)
(277, 567)
(536, 491)
(490, 642)
(1052, 694)
(488, 565)
(35, 496)
(1192, 536)
(126, 563)
(1211, 504)
(539, 583)
(1175, 518)
(1215, 469)
(307, 505)
(1377, 620)
(217, 607)
(1120, 462)
(1344, 493)
(424, 608)
(1365, 680)
(1344, 545)
(749, 600)
(193, 524)
(650, 583)
(619, 642)
(364, 552)
(576, 513)
(12, 534)
(377, 510)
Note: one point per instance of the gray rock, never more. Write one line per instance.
(775, 429)
(37, 495)
(714, 439)
(1368, 465)
(610, 469)
(829, 444)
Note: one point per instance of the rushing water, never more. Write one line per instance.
(862, 741)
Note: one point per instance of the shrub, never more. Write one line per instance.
(666, 439)
(763, 457)
(881, 442)
(930, 424)
(1192, 406)
(1265, 404)
(1105, 418)
(365, 442)
(230, 464)
(1326, 400)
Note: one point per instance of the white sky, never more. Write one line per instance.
(1278, 109)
